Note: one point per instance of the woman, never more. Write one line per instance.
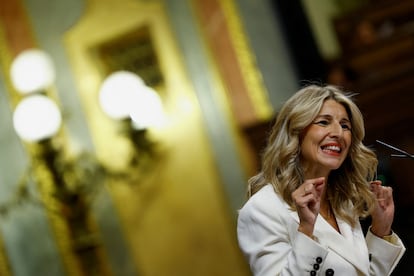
(302, 216)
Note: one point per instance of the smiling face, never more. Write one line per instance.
(325, 142)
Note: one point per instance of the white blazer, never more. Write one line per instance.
(268, 236)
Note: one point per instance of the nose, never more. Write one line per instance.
(336, 130)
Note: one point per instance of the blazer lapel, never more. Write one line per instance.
(349, 244)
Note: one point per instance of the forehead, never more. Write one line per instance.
(333, 108)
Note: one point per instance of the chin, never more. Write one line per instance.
(337, 166)
(333, 165)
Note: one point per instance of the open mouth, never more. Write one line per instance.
(332, 148)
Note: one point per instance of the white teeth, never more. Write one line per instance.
(333, 148)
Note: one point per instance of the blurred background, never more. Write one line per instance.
(130, 127)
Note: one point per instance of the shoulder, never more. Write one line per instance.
(264, 222)
(265, 203)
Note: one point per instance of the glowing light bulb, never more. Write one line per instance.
(146, 109)
(36, 118)
(32, 71)
(117, 91)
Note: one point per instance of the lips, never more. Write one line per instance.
(332, 148)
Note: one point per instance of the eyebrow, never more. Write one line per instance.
(328, 116)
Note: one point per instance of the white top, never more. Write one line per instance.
(268, 236)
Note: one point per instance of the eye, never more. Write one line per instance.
(322, 122)
(346, 126)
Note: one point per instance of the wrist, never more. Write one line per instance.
(381, 233)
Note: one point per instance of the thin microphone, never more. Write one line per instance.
(403, 154)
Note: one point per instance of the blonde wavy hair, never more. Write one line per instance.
(348, 186)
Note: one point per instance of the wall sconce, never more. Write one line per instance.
(124, 96)
(37, 120)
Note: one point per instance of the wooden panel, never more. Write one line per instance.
(16, 27)
(378, 63)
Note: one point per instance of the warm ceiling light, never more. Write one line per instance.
(32, 71)
(36, 117)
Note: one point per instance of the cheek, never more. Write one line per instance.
(309, 148)
(348, 139)
(311, 140)
(313, 134)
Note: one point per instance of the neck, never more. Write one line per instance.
(325, 208)
(314, 172)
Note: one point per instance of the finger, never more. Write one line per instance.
(381, 196)
(318, 182)
(384, 196)
(374, 185)
(377, 182)
(309, 192)
(310, 184)
(376, 189)
(387, 193)
(307, 188)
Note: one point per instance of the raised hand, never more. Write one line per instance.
(307, 198)
(383, 213)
